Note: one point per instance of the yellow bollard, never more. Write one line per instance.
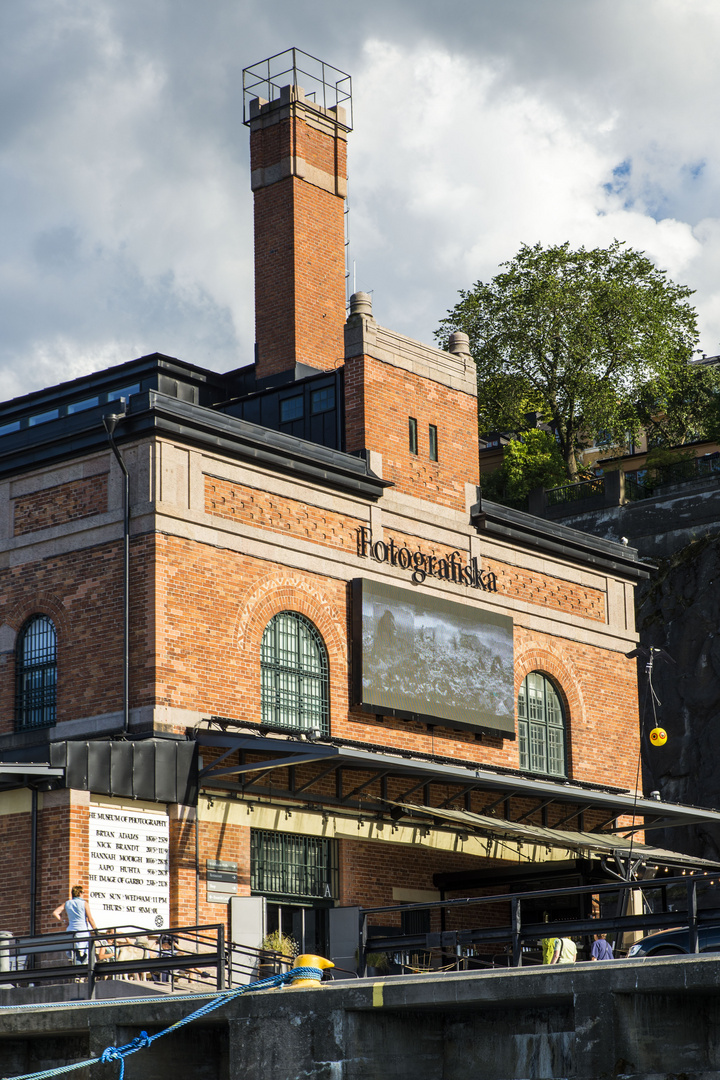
(309, 960)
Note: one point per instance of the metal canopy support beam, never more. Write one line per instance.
(535, 809)
(315, 779)
(568, 817)
(253, 780)
(216, 762)
(263, 744)
(513, 786)
(411, 790)
(603, 846)
(604, 824)
(504, 798)
(15, 771)
(367, 783)
(460, 795)
(274, 763)
(504, 786)
(648, 826)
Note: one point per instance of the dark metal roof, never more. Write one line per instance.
(154, 413)
(144, 367)
(28, 774)
(160, 770)
(529, 531)
(285, 752)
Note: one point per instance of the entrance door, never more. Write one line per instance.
(298, 876)
(306, 924)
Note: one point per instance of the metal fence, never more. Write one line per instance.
(642, 484)
(324, 84)
(684, 472)
(472, 946)
(585, 489)
(647, 481)
(176, 958)
(636, 490)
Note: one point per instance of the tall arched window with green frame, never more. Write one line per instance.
(541, 727)
(294, 675)
(36, 674)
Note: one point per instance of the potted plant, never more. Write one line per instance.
(377, 963)
(277, 952)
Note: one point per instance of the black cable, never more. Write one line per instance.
(648, 692)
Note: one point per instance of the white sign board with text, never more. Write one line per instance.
(129, 867)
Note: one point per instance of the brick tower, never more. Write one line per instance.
(299, 179)
(414, 405)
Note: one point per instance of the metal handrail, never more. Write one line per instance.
(678, 472)
(583, 489)
(684, 472)
(635, 490)
(516, 932)
(204, 947)
(325, 84)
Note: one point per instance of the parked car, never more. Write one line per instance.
(676, 942)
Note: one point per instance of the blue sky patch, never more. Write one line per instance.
(695, 170)
(620, 180)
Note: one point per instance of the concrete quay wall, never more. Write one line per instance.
(639, 1020)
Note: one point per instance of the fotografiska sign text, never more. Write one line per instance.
(424, 566)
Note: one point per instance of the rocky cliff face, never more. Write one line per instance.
(679, 611)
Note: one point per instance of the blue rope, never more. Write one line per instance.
(144, 1041)
(102, 1003)
(119, 1053)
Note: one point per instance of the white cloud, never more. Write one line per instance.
(131, 234)
(125, 204)
(459, 165)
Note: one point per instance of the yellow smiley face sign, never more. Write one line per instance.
(658, 736)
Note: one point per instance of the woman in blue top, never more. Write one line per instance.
(79, 919)
(602, 949)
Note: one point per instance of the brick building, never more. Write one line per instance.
(341, 678)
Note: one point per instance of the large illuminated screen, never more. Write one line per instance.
(423, 656)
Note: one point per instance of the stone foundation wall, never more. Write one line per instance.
(642, 1021)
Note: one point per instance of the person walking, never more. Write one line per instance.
(564, 951)
(547, 944)
(601, 948)
(79, 920)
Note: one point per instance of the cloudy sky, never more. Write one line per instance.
(125, 205)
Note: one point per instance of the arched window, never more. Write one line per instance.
(294, 675)
(36, 670)
(541, 727)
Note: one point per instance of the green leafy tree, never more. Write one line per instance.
(530, 461)
(574, 335)
(681, 405)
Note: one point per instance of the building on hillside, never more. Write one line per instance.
(644, 466)
(657, 508)
(340, 678)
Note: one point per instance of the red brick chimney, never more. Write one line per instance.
(299, 178)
